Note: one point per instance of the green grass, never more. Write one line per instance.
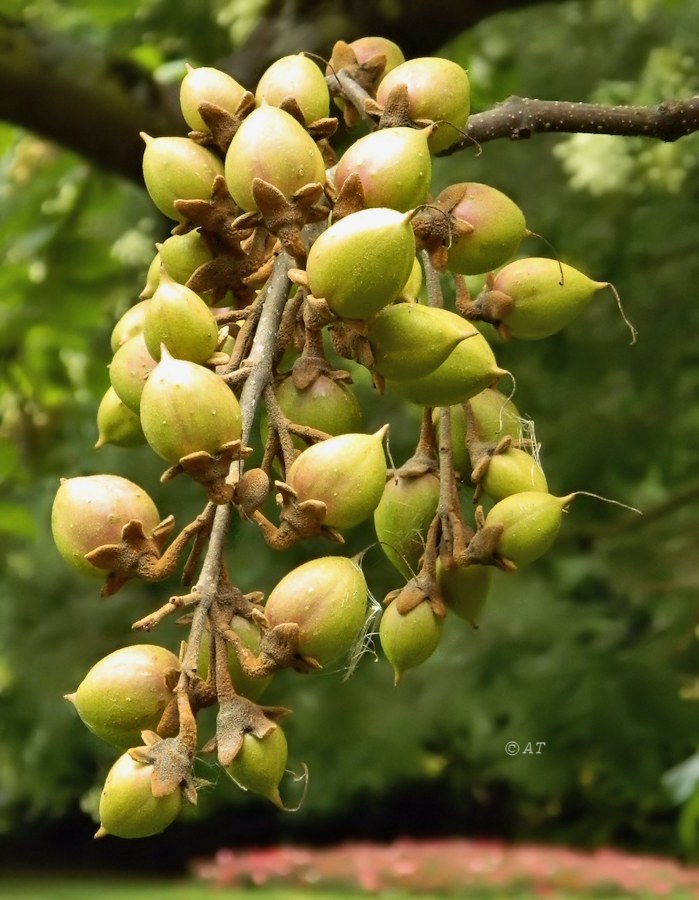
(105, 889)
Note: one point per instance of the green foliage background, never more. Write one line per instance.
(591, 650)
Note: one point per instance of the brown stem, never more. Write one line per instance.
(518, 118)
(434, 286)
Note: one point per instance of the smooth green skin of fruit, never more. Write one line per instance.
(496, 417)
(542, 305)
(411, 288)
(327, 405)
(260, 764)
(512, 472)
(299, 77)
(182, 254)
(409, 340)
(498, 228)
(531, 521)
(175, 168)
(366, 47)
(394, 166)
(117, 424)
(211, 85)
(346, 472)
(403, 517)
(271, 145)
(361, 263)
(152, 280)
(467, 370)
(438, 89)
(407, 641)
(186, 408)
(91, 510)
(131, 365)
(327, 598)
(128, 808)
(178, 319)
(125, 693)
(249, 634)
(129, 325)
(465, 590)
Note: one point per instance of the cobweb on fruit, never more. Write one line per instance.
(364, 642)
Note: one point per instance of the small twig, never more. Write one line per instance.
(518, 118)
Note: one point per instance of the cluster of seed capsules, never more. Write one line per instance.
(272, 228)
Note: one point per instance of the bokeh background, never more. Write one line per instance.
(591, 650)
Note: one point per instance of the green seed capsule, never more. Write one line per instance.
(512, 472)
(260, 764)
(465, 590)
(130, 367)
(176, 168)
(299, 77)
(130, 324)
(347, 473)
(91, 511)
(403, 517)
(271, 145)
(126, 693)
(531, 521)
(468, 369)
(361, 263)
(210, 85)
(327, 599)
(408, 640)
(409, 340)
(179, 320)
(394, 166)
(186, 408)
(128, 808)
(117, 424)
(438, 89)
(244, 684)
(182, 254)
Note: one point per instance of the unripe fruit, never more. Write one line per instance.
(327, 599)
(186, 408)
(210, 85)
(496, 417)
(438, 89)
(531, 522)
(347, 473)
(409, 340)
(299, 77)
(411, 288)
(271, 145)
(394, 166)
(408, 640)
(175, 168)
(541, 304)
(403, 517)
(126, 693)
(129, 325)
(367, 47)
(179, 320)
(512, 472)
(128, 808)
(91, 511)
(467, 370)
(131, 365)
(117, 424)
(152, 279)
(498, 228)
(260, 764)
(245, 685)
(465, 590)
(182, 254)
(326, 405)
(361, 263)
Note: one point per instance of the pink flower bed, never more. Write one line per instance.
(449, 867)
